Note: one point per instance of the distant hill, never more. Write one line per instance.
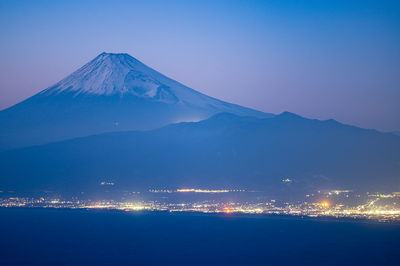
(113, 92)
(225, 151)
(396, 133)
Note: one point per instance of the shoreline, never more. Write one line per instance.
(357, 220)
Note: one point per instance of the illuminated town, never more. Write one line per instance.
(332, 203)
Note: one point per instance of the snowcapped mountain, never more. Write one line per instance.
(121, 74)
(113, 92)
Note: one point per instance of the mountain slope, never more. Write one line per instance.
(397, 133)
(225, 151)
(113, 92)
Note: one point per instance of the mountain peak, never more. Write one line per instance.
(108, 54)
(123, 75)
(114, 73)
(121, 56)
(290, 115)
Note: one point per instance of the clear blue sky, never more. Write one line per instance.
(321, 59)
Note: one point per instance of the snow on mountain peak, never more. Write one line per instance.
(122, 74)
(109, 74)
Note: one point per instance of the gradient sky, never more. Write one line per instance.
(320, 59)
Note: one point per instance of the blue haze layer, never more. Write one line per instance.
(321, 59)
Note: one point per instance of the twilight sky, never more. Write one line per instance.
(320, 59)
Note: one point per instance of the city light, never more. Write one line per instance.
(376, 206)
(325, 204)
(202, 190)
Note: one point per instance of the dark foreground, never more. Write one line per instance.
(79, 237)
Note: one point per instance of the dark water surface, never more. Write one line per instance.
(79, 237)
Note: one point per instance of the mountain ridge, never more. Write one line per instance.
(222, 151)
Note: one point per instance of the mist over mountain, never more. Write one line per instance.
(113, 92)
(225, 151)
